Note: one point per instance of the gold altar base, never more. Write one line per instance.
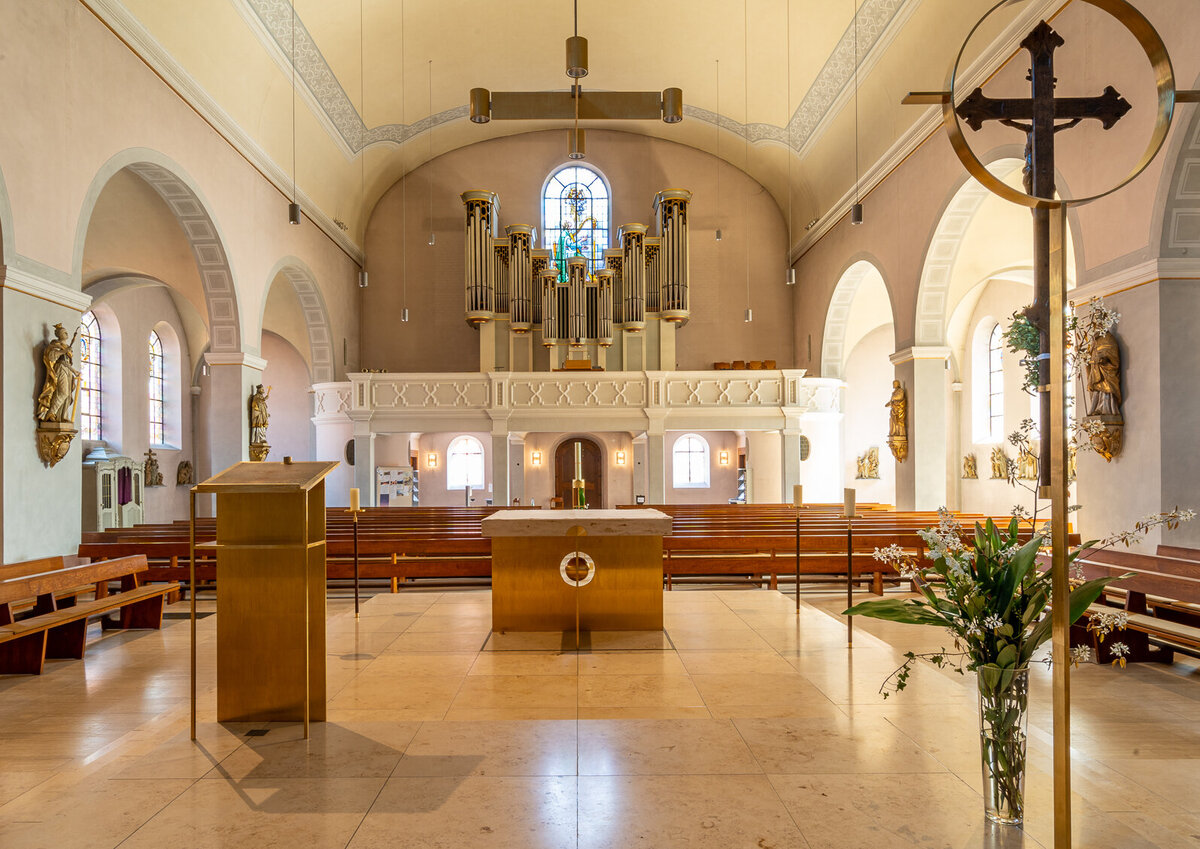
(529, 592)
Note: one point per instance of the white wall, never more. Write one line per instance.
(868, 376)
(289, 431)
(722, 479)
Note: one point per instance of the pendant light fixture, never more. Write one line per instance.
(856, 210)
(362, 146)
(294, 206)
(717, 125)
(403, 182)
(787, 250)
(577, 68)
(432, 234)
(749, 316)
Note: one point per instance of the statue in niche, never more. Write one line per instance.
(898, 422)
(56, 402)
(868, 465)
(150, 471)
(258, 423)
(1027, 466)
(184, 476)
(970, 468)
(999, 464)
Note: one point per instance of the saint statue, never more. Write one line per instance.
(56, 402)
(259, 415)
(1027, 466)
(151, 474)
(999, 464)
(184, 475)
(970, 468)
(898, 424)
(1102, 377)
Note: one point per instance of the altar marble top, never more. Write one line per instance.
(597, 523)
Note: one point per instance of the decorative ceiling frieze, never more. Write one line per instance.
(874, 19)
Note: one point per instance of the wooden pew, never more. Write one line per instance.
(56, 627)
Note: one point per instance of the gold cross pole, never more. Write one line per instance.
(1041, 111)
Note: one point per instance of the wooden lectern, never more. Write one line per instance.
(270, 591)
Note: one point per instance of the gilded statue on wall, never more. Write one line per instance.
(184, 476)
(970, 468)
(151, 474)
(258, 423)
(868, 465)
(1027, 466)
(999, 463)
(55, 409)
(898, 422)
(1099, 368)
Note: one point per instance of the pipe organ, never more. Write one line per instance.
(622, 315)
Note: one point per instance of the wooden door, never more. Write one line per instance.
(564, 472)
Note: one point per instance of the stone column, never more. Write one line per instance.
(516, 468)
(764, 459)
(921, 479)
(641, 485)
(656, 469)
(364, 464)
(225, 399)
(500, 465)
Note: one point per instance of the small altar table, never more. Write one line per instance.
(615, 582)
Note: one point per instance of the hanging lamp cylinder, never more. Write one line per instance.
(576, 144)
(481, 105)
(577, 57)
(672, 105)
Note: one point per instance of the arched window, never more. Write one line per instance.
(464, 463)
(575, 214)
(995, 384)
(91, 420)
(157, 391)
(690, 461)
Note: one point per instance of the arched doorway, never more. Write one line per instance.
(564, 471)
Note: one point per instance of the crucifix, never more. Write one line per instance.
(1040, 117)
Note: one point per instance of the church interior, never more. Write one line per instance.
(328, 328)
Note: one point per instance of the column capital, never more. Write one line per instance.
(922, 352)
(235, 359)
(43, 287)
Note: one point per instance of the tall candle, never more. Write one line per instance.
(578, 461)
(798, 495)
(848, 504)
(354, 499)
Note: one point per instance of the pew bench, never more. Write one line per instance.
(56, 626)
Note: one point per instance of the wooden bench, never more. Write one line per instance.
(56, 625)
(1157, 584)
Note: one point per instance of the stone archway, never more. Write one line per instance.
(316, 316)
(834, 348)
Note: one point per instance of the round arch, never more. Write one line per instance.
(1177, 222)
(182, 196)
(6, 224)
(316, 315)
(837, 315)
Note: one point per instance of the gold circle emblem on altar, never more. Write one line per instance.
(577, 568)
(1156, 51)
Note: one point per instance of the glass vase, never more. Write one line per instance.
(1003, 716)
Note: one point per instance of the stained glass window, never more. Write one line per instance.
(157, 395)
(575, 215)
(91, 420)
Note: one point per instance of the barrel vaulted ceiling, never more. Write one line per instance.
(380, 94)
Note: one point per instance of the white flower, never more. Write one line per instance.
(1119, 650)
(1081, 654)
(992, 622)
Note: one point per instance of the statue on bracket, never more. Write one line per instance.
(1098, 361)
(970, 468)
(868, 465)
(55, 411)
(151, 473)
(1027, 466)
(184, 476)
(258, 423)
(898, 422)
(1000, 463)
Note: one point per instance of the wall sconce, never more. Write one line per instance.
(536, 458)
(620, 458)
(724, 458)
(431, 459)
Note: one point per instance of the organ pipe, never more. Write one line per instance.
(549, 309)
(482, 210)
(604, 323)
(671, 207)
(520, 276)
(541, 264)
(633, 276)
(500, 272)
(576, 299)
(653, 302)
(614, 261)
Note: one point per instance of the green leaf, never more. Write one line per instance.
(909, 611)
(1007, 657)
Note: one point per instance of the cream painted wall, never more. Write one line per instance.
(868, 386)
(289, 431)
(516, 167)
(433, 481)
(618, 481)
(722, 479)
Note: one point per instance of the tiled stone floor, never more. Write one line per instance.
(742, 726)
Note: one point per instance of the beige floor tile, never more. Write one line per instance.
(542, 641)
(474, 714)
(432, 694)
(182, 757)
(668, 712)
(13, 784)
(491, 748)
(741, 639)
(742, 688)
(420, 664)
(630, 663)
(432, 641)
(261, 812)
(1175, 780)
(519, 812)
(718, 662)
(333, 750)
(629, 641)
(663, 747)
(683, 810)
(517, 692)
(525, 663)
(830, 745)
(631, 691)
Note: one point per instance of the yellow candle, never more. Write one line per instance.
(848, 504)
(354, 499)
(798, 495)
(578, 461)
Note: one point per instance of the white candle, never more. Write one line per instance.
(798, 495)
(848, 503)
(354, 499)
